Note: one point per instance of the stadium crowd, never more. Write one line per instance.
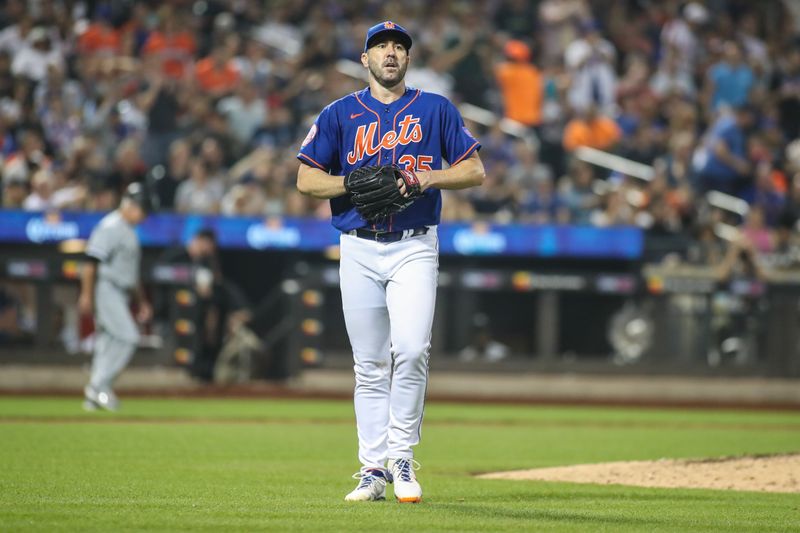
(207, 102)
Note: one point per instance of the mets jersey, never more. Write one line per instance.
(419, 131)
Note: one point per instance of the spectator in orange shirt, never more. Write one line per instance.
(172, 46)
(520, 84)
(591, 129)
(217, 74)
(100, 38)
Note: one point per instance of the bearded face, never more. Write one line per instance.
(387, 61)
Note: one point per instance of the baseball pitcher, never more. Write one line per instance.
(107, 281)
(379, 155)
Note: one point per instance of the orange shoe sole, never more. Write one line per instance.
(409, 500)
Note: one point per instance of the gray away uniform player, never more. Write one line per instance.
(109, 279)
(389, 268)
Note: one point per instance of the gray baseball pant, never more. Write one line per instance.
(116, 334)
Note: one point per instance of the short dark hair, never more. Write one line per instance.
(207, 233)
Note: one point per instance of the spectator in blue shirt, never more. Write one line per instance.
(544, 205)
(729, 81)
(721, 162)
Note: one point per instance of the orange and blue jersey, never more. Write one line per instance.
(419, 131)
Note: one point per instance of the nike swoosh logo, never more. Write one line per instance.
(355, 115)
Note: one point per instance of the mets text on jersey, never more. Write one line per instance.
(365, 138)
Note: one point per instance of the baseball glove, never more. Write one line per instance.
(375, 191)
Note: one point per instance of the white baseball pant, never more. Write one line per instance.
(388, 299)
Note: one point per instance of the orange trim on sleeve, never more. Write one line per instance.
(304, 156)
(468, 152)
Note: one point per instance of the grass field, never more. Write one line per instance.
(284, 465)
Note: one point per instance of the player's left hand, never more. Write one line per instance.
(145, 312)
(422, 178)
(378, 192)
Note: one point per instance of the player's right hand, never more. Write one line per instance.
(86, 304)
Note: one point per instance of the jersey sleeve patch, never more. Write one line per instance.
(311, 134)
(320, 147)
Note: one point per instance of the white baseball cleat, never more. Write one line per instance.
(371, 486)
(104, 399)
(406, 486)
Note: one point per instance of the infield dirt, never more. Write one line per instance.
(770, 473)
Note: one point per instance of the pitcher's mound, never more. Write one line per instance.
(770, 473)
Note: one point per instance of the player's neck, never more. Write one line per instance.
(386, 95)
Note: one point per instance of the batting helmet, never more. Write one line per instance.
(137, 193)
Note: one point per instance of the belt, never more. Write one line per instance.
(387, 236)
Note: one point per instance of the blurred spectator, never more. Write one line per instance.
(792, 205)
(172, 46)
(69, 192)
(483, 346)
(430, 73)
(16, 28)
(520, 84)
(661, 216)
(246, 198)
(161, 103)
(497, 147)
(216, 74)
(681, 34)
(9, 317)
(590, 61)
(671, 80)
(786, 84)
(100, 38)
(721, 161)
(755, 49)
(253, 63)
(128, 165)
(61, 125)
(218, 300)
(36, 54)
(468, 54)
(729, 81)
(543, 205)
(214, 156)
(277, 130)
(456, 207)
(613, 210)
(527, 169)
(678, 160)
(755, 232)
(176, 171)
(98, 94)
(244, 110)
(30, 157)
(494, 200)
(560, 22)
(764, 193)
(56, 85)
(785, 254)
(41, 196)
(635, 81)
(200, 193)
(706, 248)
(578, 193)
(15, 190)
(742, 258)
(518, 18)
(592, 129)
